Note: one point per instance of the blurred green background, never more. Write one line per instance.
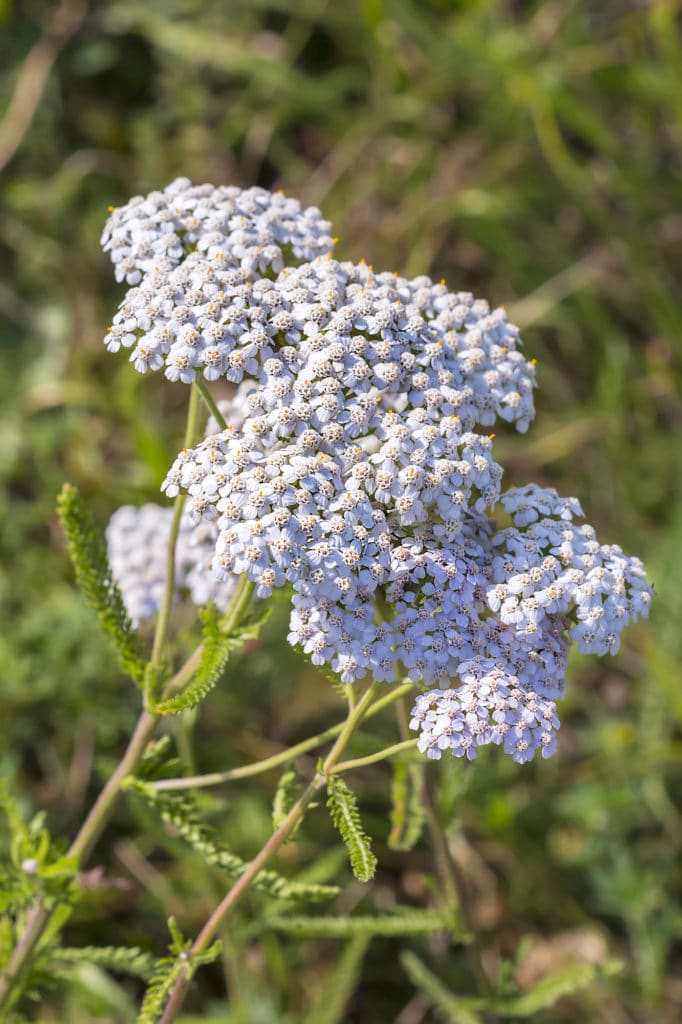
(529, 152)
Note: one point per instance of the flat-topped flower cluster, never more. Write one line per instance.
(357, 466)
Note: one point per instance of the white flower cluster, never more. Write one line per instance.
(357, 468)
(547, 565)
(491, 706)
(199, 257)
(249, 228)
(137, 541)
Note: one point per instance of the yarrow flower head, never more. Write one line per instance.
(357, 466)
(250, 228)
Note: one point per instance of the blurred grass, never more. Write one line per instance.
(529, 152)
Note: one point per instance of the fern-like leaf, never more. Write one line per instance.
(408, 922)
(122, 959)
(451, 1009)
(217, 648)
(338, 987)
(166, 973)
(88, 552)
(565, 982)
(287, 793)
(180, 810)
(36, 869)
(407, 806)
(168, 969)
(345, 815)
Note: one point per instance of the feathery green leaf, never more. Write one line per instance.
(345, 815)
(168, 969)
(407, 805)
(287, 793)
(88, 552)
(451, 1008)
(123, 959)
(37, 869)
(217, 647)
(549, 990)
(332, 1003)
(180, 810)
(409, 922)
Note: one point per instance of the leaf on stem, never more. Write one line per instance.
(451, 1008)
(570, 979)
(345, 815)
(470, 1009)
(180, 810)
(403, 921)
(122, 959)
(287, 793)
(332, 1003)
(407, 806)
(37, 868)
(168, 969)
(217, 647)
(88, 553)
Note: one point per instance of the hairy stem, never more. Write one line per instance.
(213, 924)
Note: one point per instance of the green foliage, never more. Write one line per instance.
(216, 649)
(332, 1001)
(407, 806)
(36, 869)
(168, 969)
(121, 959)
(88, 553)
(402, 921)
(450, 1008)
(567, 981)
(521, 151)
(287, 793)
(547, 992)
(180, 810)
(345, 815)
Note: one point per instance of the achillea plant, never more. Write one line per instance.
(353, 467)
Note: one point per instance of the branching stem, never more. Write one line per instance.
(248, 770)
(213, 924)
(380, 755)
(40, 917)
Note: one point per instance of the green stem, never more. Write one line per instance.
(200, 385)
(238, 605)
(163, 621)
(248, 770)
(40, 917)
(380, 755)
(452, 879)
(213, 924)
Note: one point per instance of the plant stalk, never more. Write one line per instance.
(276, 840)
(248, 770)
(454, 883)
(200, 386)
(39, 917)
(163, 621)
(380, 755)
